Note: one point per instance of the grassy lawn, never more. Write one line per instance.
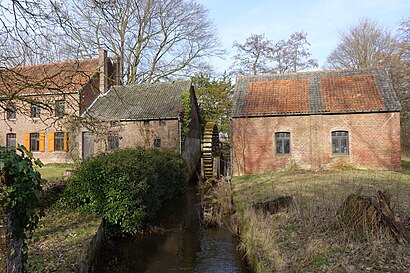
(309, 238)
(62, 237)
(54, 171)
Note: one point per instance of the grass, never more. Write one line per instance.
(309, 238)
(405, 164)
(54, 171)
(61, 239)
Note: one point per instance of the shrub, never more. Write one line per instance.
(127, 187)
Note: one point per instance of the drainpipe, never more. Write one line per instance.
(180, 133)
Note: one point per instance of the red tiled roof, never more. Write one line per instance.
(278, 96)
(351, 93)
(315, 92)
(69, 76)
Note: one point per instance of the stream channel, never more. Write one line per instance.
(184, 246)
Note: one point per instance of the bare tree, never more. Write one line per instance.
(364, 45)
(259, 55)
(155, 40)
(253, 56)
(292, 55)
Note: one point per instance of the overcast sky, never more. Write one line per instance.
(235, 20)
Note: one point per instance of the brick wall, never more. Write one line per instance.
(23, 125)
(374, 142)
(136, 134)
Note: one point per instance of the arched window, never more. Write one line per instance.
(282, 140)
(340, 142)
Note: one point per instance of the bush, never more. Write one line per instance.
(127, 187)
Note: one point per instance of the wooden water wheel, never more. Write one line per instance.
(210, 148)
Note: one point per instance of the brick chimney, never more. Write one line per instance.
(103, 62)
(117, 75)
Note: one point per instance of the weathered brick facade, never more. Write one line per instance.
(141, 134)
(316, 120)
(146, 115)
(374, 142)
(53, 138)
(46, 125)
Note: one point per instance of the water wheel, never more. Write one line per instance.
(209, 148)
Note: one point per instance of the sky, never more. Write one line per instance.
(322, 20)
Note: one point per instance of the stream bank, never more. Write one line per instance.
(179, 244)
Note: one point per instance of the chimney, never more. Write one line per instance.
(117, 77)
(103, 62)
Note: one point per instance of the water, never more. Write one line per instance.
(181, 246)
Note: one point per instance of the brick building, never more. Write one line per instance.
(40, 102)
(148, 115)
(317, 120)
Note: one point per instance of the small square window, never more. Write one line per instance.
(60, 108)
(35, 111)
(11, 111)
(162, 122)
(114, 123)
(146, 122)
(157, 142)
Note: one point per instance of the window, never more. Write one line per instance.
(113, 141)
(114, 123)
(282, 143)
(35, 111)
(157, 142)
(146, 122)
(11, 111)
(11, 140)
(161, 122)
(34, 142)
(340, 142)
(59, 141)
(60, 108)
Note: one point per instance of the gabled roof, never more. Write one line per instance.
(60, 77)
(140, 101)
(316, 92)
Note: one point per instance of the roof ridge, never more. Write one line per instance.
(50, 64)
(153, 83)
(311, 72)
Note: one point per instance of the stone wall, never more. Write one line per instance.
(374, 142)
(87, 265)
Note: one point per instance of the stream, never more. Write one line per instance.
(182, 245)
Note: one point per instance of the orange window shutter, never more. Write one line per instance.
(27, 141)
(42, 141)
(51, 141)
(65, 141)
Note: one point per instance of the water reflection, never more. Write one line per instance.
(183, 246)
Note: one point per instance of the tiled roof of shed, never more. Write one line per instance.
(140, 101)
(316, 92)
(68, 76)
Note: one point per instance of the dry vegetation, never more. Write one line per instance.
(310, 238)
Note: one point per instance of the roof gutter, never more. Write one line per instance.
(315, 113)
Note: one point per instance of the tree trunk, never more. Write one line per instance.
(14, 248)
